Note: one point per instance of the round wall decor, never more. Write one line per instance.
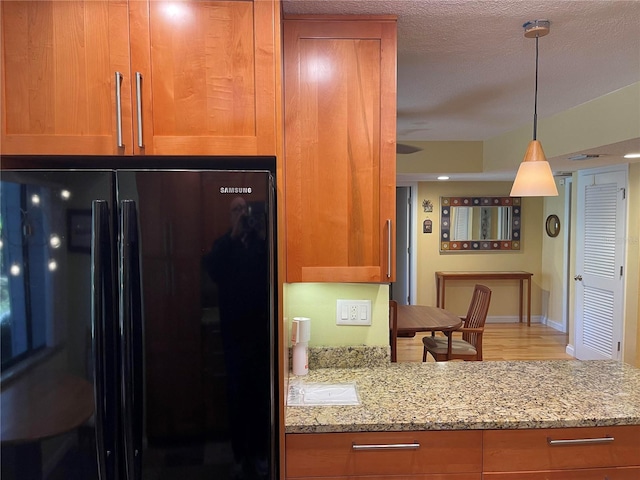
(552, 225)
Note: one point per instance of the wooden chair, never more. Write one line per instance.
(393, 329)
(469, 347)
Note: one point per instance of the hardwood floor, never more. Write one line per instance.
(503, 341)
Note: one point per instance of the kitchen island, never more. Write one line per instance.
(475, 395)
(470, 420)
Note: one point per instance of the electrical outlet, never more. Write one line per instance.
(353, 312)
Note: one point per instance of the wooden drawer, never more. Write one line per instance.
(517, 450)
(432, 476)
(337, 454)
(623, 473)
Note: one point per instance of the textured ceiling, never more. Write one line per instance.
(466, 72)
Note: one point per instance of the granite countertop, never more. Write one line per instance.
(475, 395)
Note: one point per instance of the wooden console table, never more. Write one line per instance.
(443, 277)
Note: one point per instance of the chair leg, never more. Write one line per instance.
(424, 354)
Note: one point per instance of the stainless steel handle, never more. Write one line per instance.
(118, 78)
(580, 441)
(387, 446)
(578, 278)
(389, 248)
(139, 108)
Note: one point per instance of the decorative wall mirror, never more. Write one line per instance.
(552, 225)
(480, 223)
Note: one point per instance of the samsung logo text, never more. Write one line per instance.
(235, 189)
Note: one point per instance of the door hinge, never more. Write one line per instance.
(624, 193)
(618, 346)
(621, 270)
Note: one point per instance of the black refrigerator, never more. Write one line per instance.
(138, 317)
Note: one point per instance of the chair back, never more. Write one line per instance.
(393, 329)
(477, 313)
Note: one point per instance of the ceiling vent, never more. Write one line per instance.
(584, 156)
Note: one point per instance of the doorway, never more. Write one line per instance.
(599, 277)
(403, 290)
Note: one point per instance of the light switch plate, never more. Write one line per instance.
(353, 312)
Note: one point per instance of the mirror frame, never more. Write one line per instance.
(552, 225)
(455, 246)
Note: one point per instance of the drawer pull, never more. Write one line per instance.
(580, 441)
(389, 248)
(139, 108)
(387, 446)
(118, 82)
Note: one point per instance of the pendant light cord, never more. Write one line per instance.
(535, 102)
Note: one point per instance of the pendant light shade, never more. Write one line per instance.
(534, 177)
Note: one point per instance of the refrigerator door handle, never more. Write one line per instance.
(131, 339)
(103, 334)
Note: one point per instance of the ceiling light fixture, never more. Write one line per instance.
(534, 177)
(443, 177)
(632, 155)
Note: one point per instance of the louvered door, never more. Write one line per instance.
(599, 264)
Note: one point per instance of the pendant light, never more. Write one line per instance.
(534, 177)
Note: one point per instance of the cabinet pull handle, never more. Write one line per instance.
(580, 441)
(389, 248)
(139, 108)
(119, 110)
(387, 446)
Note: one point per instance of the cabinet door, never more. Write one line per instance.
(208, 76)
(340, 98)
(58, 68)
(623, 473)
(560, 448)
(384, 453)
(433, 476)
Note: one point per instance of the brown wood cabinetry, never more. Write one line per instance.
(58, 66)
(193, 78)
(623, 473)
(340, 102)
(415, 455)
(589, 453)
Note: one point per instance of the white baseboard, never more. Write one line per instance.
(555, 325)
(571, 350)
(512, 319)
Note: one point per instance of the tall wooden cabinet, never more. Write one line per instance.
(340, 129)
(139, 77)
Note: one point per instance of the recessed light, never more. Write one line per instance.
(632, 155)
(443, 177)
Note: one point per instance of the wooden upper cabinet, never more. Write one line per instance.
(58, 76)
(203, 74)
(340, 130)
(208, 77)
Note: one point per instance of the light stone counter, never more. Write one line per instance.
(475, 395)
